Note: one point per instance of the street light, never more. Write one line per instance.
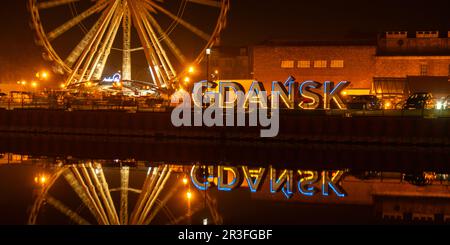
(191, 69)
(189, 195)
(208, 53)
(44, 75)
(185, 181)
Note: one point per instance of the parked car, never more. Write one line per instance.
(443, 103)
(422, 100)
(364, 102)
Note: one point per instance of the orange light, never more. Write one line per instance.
(191, 69)
(23, 82)
(216, 72)
(41, 179)
(44, 75)
(62, 85)
(344, 93)
(185, 181)
(189, 195)
(187, 79)
(34, 84)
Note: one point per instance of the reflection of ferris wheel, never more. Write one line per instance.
(87, 183)
(147, 25)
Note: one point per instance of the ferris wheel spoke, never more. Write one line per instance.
(95, 53)
(102, 185)
(182, 22)
(54, 3)
(91, 49)
(173, 48)
(126, 52)
(164, 176)
(103, 54)
(161, 54)
(77, 19)
(146, 44)
(162, 204)
(124, 181)
(149, 182)
(210, 3)
(84, 195)
(66, 211)
(90, 188)
(76, 52)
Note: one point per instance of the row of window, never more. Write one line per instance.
(315, 64)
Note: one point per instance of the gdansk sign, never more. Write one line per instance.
(230, 96)
(316, 93)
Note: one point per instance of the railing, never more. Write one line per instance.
(148, 105)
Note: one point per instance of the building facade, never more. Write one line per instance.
(383, 66)
(345, 62)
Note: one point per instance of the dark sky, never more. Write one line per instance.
(253, 21)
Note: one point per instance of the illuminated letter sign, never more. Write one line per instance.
(314, 92)
(229, 178)
(114, 79)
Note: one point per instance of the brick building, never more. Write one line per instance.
(230, 63)
(384, 65)
(352, 61)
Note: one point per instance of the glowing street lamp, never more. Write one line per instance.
(185, 181)
(208, 53)
(191, 69)
(40, 179)
(34, 84)
(42, 75)
(187, 79)
(189, 195)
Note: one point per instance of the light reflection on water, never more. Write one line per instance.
(47, 190)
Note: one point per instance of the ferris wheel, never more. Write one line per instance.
(84, 194)
(170, 36)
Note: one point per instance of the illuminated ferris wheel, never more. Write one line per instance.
(87, 193)
(162, 36)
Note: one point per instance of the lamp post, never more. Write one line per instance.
(208, 53)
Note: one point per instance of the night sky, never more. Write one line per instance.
(253, 21)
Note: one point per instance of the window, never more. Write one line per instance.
(337, 64)
(320, 64)
(304, 64)
(287, 64)
(423, 69)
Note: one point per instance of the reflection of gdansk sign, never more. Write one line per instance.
(307, 183)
